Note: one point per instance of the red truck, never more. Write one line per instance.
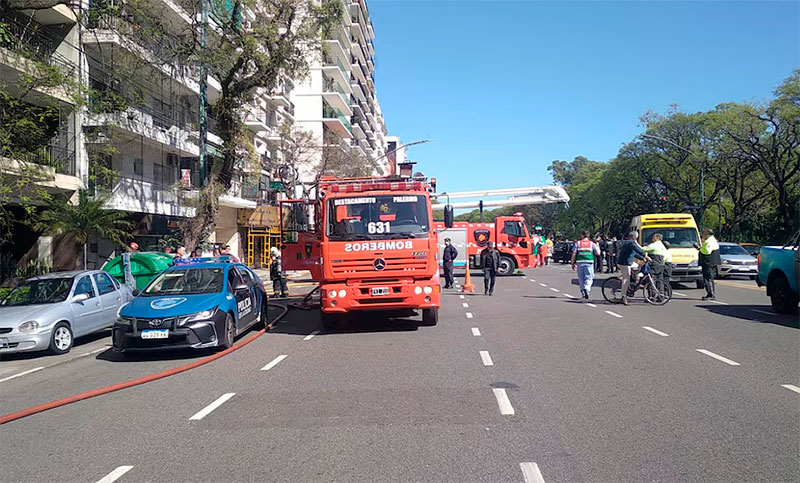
(510, 234)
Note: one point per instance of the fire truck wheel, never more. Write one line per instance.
(507, 266)
(330, 321)
(430, 316)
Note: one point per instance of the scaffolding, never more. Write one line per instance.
(259, 243)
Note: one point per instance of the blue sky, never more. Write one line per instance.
(503, 88)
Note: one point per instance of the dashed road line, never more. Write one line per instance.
(718, 302)
(791, 387)
(95, 351)
(655, 331)
(461, 297)
(554, 289)
(532, 280)
(614, 314)
(592, 305)
(465, 305)
(503, 402)
(116, 474)
(476, 332)
(718, 357)
(311, 335)
(469, 315)
(543, 284)
(486, 358)
(214, 405)
(763, 312)
(531, 473)
(679, 294)
(565, 294)
(23, 373)
(274, 362)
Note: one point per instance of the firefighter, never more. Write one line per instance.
(277, 275)
(490, 261)
(449, 255)
(584, 255)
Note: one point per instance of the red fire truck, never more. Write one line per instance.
(510, 234)
(370, 243)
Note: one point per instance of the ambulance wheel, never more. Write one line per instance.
(507, 266)
(430, 316)
(330, 321)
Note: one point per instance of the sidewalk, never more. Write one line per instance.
(298, 281)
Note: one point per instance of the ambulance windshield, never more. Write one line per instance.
(378, 217)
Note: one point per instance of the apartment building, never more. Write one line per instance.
(54, 150)
(338, 102)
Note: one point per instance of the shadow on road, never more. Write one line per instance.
(303, 322)
(747, 312)
(165, 354)
(44, 355)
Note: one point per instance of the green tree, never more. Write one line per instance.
(86, 218)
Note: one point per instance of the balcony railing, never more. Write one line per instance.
(329, 112)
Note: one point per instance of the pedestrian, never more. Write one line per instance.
(225, 250)
(277, 275)
(542, 250)
(611, 255)
(535, 242)
(549, 256)
(598, 262)
(583, 257)
(448, 257)
(660, 255)
(627, 250)
(709, 261)
(490, 261)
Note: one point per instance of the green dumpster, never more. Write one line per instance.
(144, 267)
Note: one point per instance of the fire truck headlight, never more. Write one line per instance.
(428, 290)
(417, 290)
(342, 293)
(332, 294)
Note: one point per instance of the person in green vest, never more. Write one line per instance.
(662, 258)
(709, 261)
(583, 256)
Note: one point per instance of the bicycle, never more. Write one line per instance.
(655, 290)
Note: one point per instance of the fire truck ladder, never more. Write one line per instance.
(536, 195)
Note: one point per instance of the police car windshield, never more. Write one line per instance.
(186, 281)
(378, 217)
(677, 237)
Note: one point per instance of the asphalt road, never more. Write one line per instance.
(529, 383)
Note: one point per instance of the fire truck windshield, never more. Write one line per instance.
(378, 217)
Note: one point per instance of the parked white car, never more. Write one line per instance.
(736, 261)
(48, 312)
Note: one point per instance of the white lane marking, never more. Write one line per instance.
(311, 335)
(503, 402)
(532, 280)
(486, 358)
(476, 331)
(116, 474)
(614, 314)
(655, 331)
(791, 387)
(543, 284)
(762, 312)
(465, 305)
(94, 351)
(679, 294)
(718, 357)
(592, 305)
(214, 405)
(554, 289)
(274, 362)
(531, 473)
(568, 295)
(469, 315)
(718, 302)
(21, 374)
(461, 297)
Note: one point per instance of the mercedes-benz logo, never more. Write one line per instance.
(154, 322)
(379, 264)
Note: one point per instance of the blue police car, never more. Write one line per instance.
(196, 303)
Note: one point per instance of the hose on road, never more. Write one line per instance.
(142, 380)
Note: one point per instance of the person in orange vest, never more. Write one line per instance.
(583, 256)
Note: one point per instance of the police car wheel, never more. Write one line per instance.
(229, 332)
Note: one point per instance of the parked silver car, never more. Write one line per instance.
(49, 311)
(736, 261)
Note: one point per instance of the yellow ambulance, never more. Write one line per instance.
(680, 230)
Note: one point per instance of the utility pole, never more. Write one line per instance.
(202, 111)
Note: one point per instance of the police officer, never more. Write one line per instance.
(449, 255)
(490, 261)
(709, 261)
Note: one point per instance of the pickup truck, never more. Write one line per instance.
(779, 270)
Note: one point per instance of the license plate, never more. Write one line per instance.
(380, 291)
(744, 269)
(155, 334)
(3, 342)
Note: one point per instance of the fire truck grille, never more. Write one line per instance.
(394, 266)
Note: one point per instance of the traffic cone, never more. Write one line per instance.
(468, 287)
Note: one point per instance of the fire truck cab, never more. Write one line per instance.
(370, 243)
(510, 234)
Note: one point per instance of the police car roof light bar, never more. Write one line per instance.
(187, 261)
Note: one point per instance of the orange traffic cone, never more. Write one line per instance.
(468, 287)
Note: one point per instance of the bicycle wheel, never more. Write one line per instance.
(656, 292)
(612, 289)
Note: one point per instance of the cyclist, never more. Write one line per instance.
(627, 250)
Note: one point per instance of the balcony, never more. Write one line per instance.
(153, 125)
(136, 195)
(336, 120)
(260, 120)
(336, 96)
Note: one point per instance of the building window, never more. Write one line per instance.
(138, 167)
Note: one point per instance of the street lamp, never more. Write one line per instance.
(398, 148)
(702, 171)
